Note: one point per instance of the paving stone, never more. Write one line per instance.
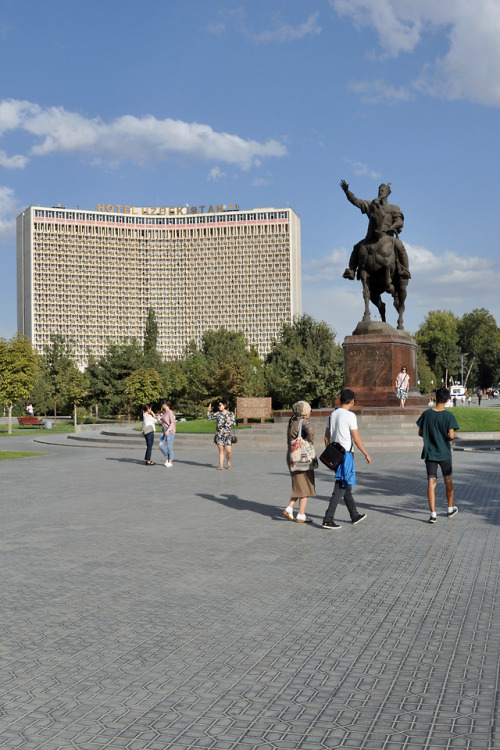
(152, 609)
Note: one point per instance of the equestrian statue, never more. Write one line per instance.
(380, 260)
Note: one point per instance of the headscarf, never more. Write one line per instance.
(300, 408)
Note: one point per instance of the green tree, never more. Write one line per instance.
(232, 367)
(438, 338)
(107, 375)
(19, 368)
(480, 344)
(152, 357)
(304, 363)
(427, 379)
(58, 359)
(143, 387)
(74, 387)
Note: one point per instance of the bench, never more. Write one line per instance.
(30, 422)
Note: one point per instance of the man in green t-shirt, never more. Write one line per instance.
(437, 427)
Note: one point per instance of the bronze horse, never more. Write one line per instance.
(379, 272)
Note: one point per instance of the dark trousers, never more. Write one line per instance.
(149, 438)
(341, 493)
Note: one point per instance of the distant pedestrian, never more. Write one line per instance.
(29, 410)
(437, 427)
(223, 437)
(148, 430)
(402, 386)
(342, 427)
(479, 397)
(303, 486)
(166, 444)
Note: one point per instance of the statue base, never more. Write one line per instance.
(373, 357)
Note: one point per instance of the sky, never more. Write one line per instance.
(266, 104)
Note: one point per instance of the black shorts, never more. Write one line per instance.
(432, 468)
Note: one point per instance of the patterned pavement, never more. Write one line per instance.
(153, 608)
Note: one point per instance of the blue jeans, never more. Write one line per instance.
(167, 445)
(149, 438)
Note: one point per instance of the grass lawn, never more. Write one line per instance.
(5, 455)
(198, 426)
(477, 420)
(64, 427)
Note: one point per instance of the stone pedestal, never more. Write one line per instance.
(374, 355)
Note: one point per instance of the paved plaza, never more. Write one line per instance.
(153, 608)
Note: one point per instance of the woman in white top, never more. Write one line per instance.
(402, 386)
(148, 430)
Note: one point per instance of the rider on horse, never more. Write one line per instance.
(386, 220)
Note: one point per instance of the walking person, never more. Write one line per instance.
(223, 434)
(303, 485)
(402, 386)
(168, 423)
(437, 427)
(148, 430)
(342, 427)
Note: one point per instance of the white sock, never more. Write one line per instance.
(289, 510)
(450, 510)
(301, 516)
(434, 514)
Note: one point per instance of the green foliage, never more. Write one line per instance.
(480, 343)
(143, 386)
(225, 367)
(470, 344)
(107, 376)
(304, 363)
(427, 379)
(59, 366)
(19, 368)
(152, 357)
(438, 339)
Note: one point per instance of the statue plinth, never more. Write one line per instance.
(374, 355)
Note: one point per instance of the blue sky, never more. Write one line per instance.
(266, 104)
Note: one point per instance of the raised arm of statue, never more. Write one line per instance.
(358, 202)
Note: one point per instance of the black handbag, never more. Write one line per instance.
(234, 439)
(332, 456)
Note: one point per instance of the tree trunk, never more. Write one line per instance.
(9, 428)
(74, 415)
(55, 412)
(468, 372)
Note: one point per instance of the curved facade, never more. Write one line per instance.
(92, 276)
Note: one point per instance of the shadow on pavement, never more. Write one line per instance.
(237, 503)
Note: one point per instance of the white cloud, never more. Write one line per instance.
(470, 65)
(377, 91)
(136, 139)
(444, 281)
(288, 33)
(361, 169)
(9, 208)
(12, 162)
(215, 174)
(260, 181)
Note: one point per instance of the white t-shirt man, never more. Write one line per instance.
(340, 423)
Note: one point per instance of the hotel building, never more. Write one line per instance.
(93, 275)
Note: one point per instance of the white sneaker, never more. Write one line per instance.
(168, 464)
